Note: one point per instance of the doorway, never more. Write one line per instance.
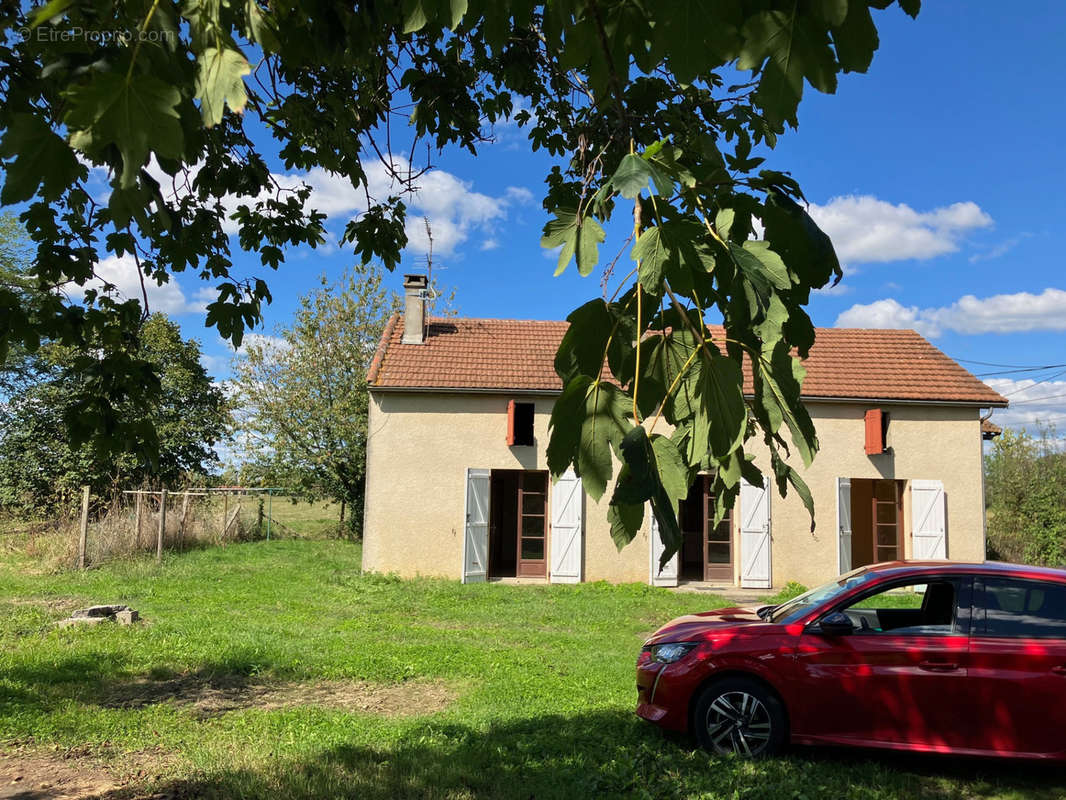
(706, 548)
(877, 521)
(518, 524)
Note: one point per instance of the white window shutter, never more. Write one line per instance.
(667, 576)
(844, 524)
(476, 537)
(929, 530)
(567, 531)
(755, 540)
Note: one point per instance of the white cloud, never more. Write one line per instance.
(1001, 313)
(262, 340)
(865, 229)
(451, 205)
(121, 272)
(490, 244)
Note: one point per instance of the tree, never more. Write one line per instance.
(643, 104)
(1025, 498)
(303, 396)
(41, 467)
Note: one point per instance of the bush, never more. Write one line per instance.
(1025, 498)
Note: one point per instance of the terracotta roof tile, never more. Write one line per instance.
(504, 354)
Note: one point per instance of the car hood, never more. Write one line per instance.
(694, 627)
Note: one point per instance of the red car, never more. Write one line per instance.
(928, 656)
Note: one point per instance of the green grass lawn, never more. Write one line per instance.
(540, 681)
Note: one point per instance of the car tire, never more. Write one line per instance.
(740, 716)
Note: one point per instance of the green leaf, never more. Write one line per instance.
(794, 48)
(41, 158)
(721, 417)
(855, 39)
(49, 11)
(625, 520)
(579, 238)
(911, 7)
(833, 11)
(584, 345)
(137, 117)
(262, 29)
(802, 245)
(220, 81)
(588, 419)
(770, 264)
(692, 45)
(723, 221)
(634, 174)
(414, 16)
(458, 8)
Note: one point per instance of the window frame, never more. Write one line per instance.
(980, 627)
(965, 593)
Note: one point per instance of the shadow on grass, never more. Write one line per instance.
(602, 754)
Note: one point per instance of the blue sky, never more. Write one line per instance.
(938, 175)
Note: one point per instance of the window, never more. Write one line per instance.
(1024, 609)
(929, 607)
(519, 424)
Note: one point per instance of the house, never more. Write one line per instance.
(457, 483)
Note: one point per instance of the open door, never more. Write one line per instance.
(844, 524)
(667, 576)
(928, 520)
(567, 532)
(476, 536)
(754, 536)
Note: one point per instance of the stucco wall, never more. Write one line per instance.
(421, 444)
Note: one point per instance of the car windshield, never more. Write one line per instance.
(797, 607)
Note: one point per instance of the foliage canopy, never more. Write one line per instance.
(664, 108)
(1025, 496)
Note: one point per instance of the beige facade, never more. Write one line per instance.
(421, 445)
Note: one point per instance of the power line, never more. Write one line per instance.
(1019, 369)
(1038, 399)
(1007, 366)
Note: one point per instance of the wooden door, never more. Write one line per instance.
(718, 540)
(532, 525)
(887, 514)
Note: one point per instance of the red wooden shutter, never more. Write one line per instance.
(875, 437)
(510, 423)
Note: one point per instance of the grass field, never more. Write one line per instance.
(277, 670)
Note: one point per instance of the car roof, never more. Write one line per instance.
(903, 568)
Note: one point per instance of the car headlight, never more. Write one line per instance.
(670, 653)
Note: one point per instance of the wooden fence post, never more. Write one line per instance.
(225, 513)
(162, 526)
(184, 514)
(84, 531)
(140, 502)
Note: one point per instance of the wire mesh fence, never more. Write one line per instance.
(152, 522)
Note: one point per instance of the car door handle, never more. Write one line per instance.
(1059, 670)
(938, 666)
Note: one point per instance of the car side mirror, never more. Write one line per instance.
(836, 624)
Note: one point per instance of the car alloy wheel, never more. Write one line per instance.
(738, 723)
(742, 717)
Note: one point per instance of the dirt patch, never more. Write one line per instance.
(215, 695)
(29, 776)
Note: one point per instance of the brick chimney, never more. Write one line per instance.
(414, 313)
